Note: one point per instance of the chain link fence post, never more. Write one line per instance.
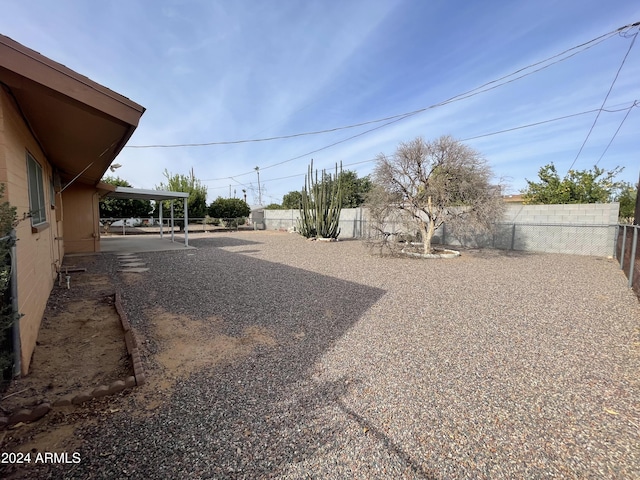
(624, 246)
(632, 258)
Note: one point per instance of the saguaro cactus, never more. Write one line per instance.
(321, 205)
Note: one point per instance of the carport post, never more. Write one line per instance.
(160, 218)
(186, 224)
(172, 220)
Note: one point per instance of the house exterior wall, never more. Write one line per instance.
(39, 253)
(81, 217)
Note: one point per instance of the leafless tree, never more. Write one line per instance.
(432, 183)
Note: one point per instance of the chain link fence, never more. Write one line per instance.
(628, 254)
(568, 238)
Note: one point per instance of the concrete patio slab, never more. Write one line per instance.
(141, 243)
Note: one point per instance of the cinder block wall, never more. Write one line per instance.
(586, 229)
(352, 221)
(573, 229)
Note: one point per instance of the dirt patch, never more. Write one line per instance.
(80, 346)
(186, 345)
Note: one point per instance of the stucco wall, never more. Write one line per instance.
(38, 254)
(81, 217)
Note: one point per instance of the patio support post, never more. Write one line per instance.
(160, 218)
(172, 220)
(186, 223)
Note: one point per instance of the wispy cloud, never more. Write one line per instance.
(217, 70)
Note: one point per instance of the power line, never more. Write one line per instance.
(549, 121)
(475, 91)
(635, 104)
(313, 151)
(605, 100)
(628, 109)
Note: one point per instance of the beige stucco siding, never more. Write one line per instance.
(81, 217)
(39, 254)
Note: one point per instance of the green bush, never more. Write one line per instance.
(8, 220)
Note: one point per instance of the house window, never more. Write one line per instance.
(36, 192)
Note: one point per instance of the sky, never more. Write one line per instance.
(212, 72)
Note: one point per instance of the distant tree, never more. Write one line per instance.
(354, 189)
(579, 186)
(626, 196)
(229, 208)
(197, 201)
(123, 208)
(292, 200)
(273, 206)
(430, 183)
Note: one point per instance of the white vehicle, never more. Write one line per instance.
(128, 222)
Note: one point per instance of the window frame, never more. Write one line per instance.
(35, 184)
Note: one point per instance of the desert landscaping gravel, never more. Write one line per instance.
(491, 365)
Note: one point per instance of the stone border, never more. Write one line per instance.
(130, 340)
(444, 252)
(26, 415)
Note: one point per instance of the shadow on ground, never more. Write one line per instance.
(257, 415)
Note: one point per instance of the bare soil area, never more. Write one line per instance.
(80, 346)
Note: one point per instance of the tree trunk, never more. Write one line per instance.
(427, 229)
(426, 232)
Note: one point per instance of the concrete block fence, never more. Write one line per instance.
(588, 229)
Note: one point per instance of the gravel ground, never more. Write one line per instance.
(492, 365)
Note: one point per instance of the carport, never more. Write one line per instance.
(128, 193)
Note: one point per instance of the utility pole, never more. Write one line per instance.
(244, 193)
(257, 169)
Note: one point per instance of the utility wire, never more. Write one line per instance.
(635, 104)
(470, 93)
(475, 91)
(313, 151)
(549, 121)
(628, 109)
(604, 101)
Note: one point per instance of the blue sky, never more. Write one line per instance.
(215, 71)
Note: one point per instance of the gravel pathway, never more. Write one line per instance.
(492, 365)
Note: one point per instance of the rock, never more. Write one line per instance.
(100, 391)
(81, 398)
(116, 387)
(22, 415)
(64, 401)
